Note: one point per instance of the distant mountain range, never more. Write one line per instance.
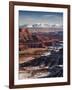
(41, 25)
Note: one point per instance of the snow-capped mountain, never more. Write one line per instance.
(42, 25)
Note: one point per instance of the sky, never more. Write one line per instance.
(34, 17)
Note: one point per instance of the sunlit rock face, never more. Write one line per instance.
(38, 37)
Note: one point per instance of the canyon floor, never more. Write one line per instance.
(42, 63)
